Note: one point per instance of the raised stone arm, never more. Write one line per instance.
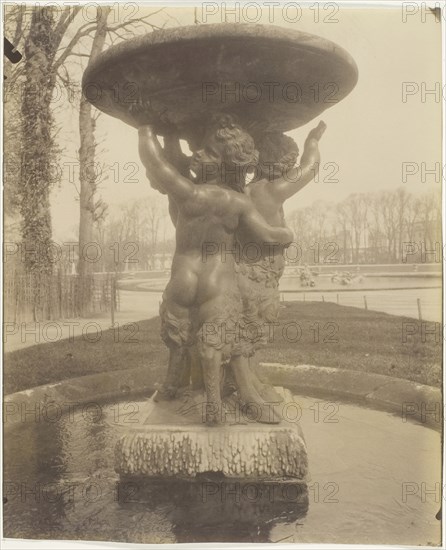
(174, 154)
(296, 178)
(162, 175)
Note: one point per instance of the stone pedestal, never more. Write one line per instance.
(172, 441)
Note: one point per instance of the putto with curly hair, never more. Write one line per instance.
(277, 154)
(238, 147)
(203, 295)
(276, 180)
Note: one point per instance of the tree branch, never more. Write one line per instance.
(64, 22)
(117, 34)
(79, 54)
(137, 20)
(82, 31)
(18, 29)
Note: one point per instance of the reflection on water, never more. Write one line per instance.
(213, 508)
(370, 476)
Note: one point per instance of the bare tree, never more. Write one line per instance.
(133, 234)
(411, 217)
(343, 221)
(379, 221)
(355, 208)
(387, 205)
(36, 77)
(38, 146)
(430, 218)
(92, 208)
(376, 237)
(49, 40)
(402, 200)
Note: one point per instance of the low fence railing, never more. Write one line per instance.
(39, 297)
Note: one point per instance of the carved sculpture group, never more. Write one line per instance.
(230, 239)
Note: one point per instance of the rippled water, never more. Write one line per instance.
(370, 477)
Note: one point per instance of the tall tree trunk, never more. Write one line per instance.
(37, 155)
(88, 175)
(37, 142)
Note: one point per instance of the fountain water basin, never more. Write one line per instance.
(368, 483)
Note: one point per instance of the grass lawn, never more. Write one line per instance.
(316, 333)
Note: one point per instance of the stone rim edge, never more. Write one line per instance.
(374, 390)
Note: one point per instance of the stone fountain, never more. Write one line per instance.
(231, 91)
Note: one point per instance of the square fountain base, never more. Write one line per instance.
(173, 441)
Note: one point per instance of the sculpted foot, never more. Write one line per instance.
(211, 359)
(256, 407)
(268, 393)
(263, 413)
(214, 413)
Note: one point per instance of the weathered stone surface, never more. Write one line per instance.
(276, 77)
(175, 442)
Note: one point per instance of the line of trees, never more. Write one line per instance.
(369, 227)
(137, 237)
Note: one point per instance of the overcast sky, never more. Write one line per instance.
(370, 134)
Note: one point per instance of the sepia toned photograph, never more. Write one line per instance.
(222, 273)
